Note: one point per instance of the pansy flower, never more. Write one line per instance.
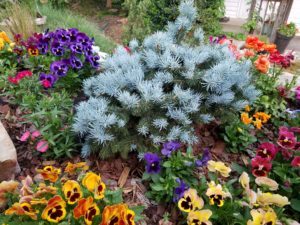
(259, 216)
(94, 184)
(87, 208)
(49, 173)
(260, 166)
(45, 189)
(286, 139)
(117, 215)
(200, 217)
(296, 161)
(205, 158)
(257, 123)
(94, 60)
(38, 201)
(47, 80)
(272, 185)
(267, 199)
(55, 210)
(245, 118)
(72, 191)
(57, 49)
(59, 68)
(244, 180)
(219, 167)
(267, 150)
(22, 209)
(262, 116)
(26, 186)
(7, 187)
(152, 163)
(76, 48)
(33, 51)
(72, 33)
(190, 201)
(75, 62)
(83, 39)
(62, 36)
(72, 167)
(179, 190)
(169, 147)
(262, 64)
(216, 194)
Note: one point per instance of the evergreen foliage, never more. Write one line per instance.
(159, 90)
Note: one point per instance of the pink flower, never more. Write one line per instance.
(286, 153)
(35, 134)
(295, 129)
(42, 146)
(297, 93)
(286, 139)
(260, 166)
(13, 80)
(25, 136)
(267, 150)
(296, 161)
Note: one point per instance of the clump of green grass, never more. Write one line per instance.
(64, 18)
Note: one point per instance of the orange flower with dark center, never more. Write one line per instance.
(86, 208)
(72, 191)
(21, 209)
(55, 210)
(262, 64)
(49, 173)
(71, 168)
(33, 51)
(118, 214)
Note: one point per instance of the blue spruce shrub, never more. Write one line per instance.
(160, 90)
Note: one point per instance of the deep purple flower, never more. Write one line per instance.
(75, 62)
(72, 33)
(47, 80)
(94, 60)
(205, 158)
(62, 36)
(88, 51)
(43, 48)
(169, 147)
(57, 49)
(152, 163)
(179, 190)
(83, 39)
(59, 68)
(76, 48)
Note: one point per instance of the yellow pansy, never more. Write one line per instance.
(266, 199)
(72, 191)
(94, 184)
(216, 194)
(244, 180)
(272, 185)
(22, 209)
(260, 217)
(55, 210)
(220, 167)
(50, 173)
(190, 201)
(199, 217)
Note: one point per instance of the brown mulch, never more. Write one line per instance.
(113, 27)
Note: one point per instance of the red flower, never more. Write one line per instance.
(286, 153)
(13, 80)
(267, 150)
(46, 84)
(282, 91)
(260, 166)
(286, 139)
(297, 146)
(26, 73)
(295, 129)
(282, 60)
(296, 161)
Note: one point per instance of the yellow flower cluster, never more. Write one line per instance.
(258, 119)
(83, 195)
(4, 39)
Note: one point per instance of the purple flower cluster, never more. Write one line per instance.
(73, 47)
(169, 147)
(205, 158)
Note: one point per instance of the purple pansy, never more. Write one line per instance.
(75, 62)
(76, 48)
(62, 36)
(72, 33)
(57, 49)
(152, 163)
(43, 48)
(83, 39)
(94, 60)
(59, 68)
(205, 158)
(169, 147)
(179, 190)
(47, 80)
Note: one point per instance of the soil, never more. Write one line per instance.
(113, 27)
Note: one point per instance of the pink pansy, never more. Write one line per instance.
(267, 150)
(296, 161)
(42, 146)
(286, 153)
(286, 139)
(25, 136)
(35, 134)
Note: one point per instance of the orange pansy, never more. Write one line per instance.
(21, 209)
(49, 173)
(72, 167)
(86, 208)
(245, 118)
(117, 215)
(55, 210)
(262, 64)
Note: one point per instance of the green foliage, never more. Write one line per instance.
(251, 24)
(288, 30)
(238, 136)
(162, 185)
(238, 36)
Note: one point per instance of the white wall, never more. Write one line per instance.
(237, 8)
(295, 13)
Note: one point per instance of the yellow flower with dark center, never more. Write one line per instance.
(117, 215)
(22, 209)
(245, 118)
(94, 184)
(72, 191)
(199, 217)
(216, 194)
(86, 208)
(244, 180)
(257, 123)
(72, 168)
(55, 210)
(49, 173)
(262, 116)
(190, 201)
(260, 217)
(220, 167)
(266, 199)
(33, 51)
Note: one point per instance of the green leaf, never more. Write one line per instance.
(236, 167)
(167, 164)
(157, 187)
(138, 210)
(295, 204)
